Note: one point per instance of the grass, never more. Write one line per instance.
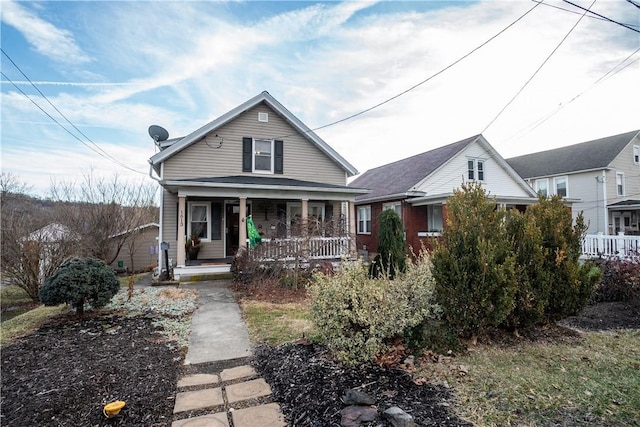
(26, 323)
(13, 295)
(594, 382)
(276, 324)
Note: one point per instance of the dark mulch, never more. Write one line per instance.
(63, 374)
(309, 386)
(606, 316)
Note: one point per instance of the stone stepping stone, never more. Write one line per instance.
(198, 379)
(211, 420)
(190, 400)
(268, 415)
(237, 372)
(247, 390)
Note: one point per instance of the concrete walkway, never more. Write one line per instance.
(220, 388)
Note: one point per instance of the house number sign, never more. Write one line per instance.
(181, 218)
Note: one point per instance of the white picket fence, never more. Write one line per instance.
(606, 246)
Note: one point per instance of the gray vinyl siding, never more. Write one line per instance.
(206, 158)
(170, 222)
(624, 163)
(145, 254)
(588, 191)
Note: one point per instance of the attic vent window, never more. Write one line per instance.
(263, 117)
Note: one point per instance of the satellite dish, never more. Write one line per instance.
(158, 133)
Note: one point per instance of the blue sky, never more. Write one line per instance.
(115, 68)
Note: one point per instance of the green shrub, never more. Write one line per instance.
(392, 247)
(474, 266)
(571, 283)
(356, 314)
(534, 285)
(81, 281)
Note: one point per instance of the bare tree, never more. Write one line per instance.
(100, 210)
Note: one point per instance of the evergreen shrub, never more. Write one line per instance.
(392, 247)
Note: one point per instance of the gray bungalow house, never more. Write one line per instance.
(260, 161)
(602, 176)
(417, 188)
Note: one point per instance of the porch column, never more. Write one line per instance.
(182, 231)
(243, 223)
(306, 237)
(353, 250)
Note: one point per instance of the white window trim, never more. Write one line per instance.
(537, 189)
(360, 208)
(263, 117)
(207, 205)
(622, 181)
(430, 226)
(475, 161)
(555, 184)
(395, 206)
(253, 156)
(636, 154)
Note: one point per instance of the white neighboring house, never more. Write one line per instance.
(55, 244)
(602, 176)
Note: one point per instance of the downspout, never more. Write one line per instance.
(161, 216)
(604, 201)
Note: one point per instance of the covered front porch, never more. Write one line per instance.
(298, 221)
(624, 217)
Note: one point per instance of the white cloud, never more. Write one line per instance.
(48, 40)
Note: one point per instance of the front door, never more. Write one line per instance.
(232, 227)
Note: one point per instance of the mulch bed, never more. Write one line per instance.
(63, 373)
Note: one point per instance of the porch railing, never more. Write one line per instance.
(314, 248)
(620, 246)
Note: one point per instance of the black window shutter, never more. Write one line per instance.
(278, 165)
(216, 221)
(247, 148)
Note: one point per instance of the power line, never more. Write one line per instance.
(490, 39)
(601, 16)
(99, 150)
(535, 72)
(536, 123)
(578, 13)
(634, 3)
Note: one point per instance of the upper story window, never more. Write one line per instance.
(561, 186)
(395, 206)
(364, 219)
(620, 183)
(636, 154)
(475, 169)
(262, 155)
(542, 186)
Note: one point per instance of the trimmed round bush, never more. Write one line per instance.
(80, 281)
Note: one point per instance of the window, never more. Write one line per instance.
(542, 187)
(434, 218)
(561, 186)
(294, 214)
(199, 220)
(396, 206)
(475, 169)
(262, 155)
(636, 154)
(620, 183)
(263, 117)
(364, 220)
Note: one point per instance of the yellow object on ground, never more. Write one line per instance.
(112, 409)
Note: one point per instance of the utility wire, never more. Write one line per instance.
(536, 72)
(601, 16)
(634, 3)
(578, 13)
(380, 104)
(99, 150)
(535, 124)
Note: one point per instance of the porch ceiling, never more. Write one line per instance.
(260, 187)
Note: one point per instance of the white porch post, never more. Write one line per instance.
(305, 228)
(352, 230)
(182, 231)
(604, 202)
(243, 223)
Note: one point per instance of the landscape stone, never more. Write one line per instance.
(198, 379)
(247, 390)
(353, 416)
(356, 397)
(237, 372)
(210, 420)
(268, 415)
(399, 418)
(189, 400)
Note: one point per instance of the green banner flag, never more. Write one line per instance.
(252, 233)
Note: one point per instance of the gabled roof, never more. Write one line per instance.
(398, 178)
(53, 232)
(266, 98)
(590, 155)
